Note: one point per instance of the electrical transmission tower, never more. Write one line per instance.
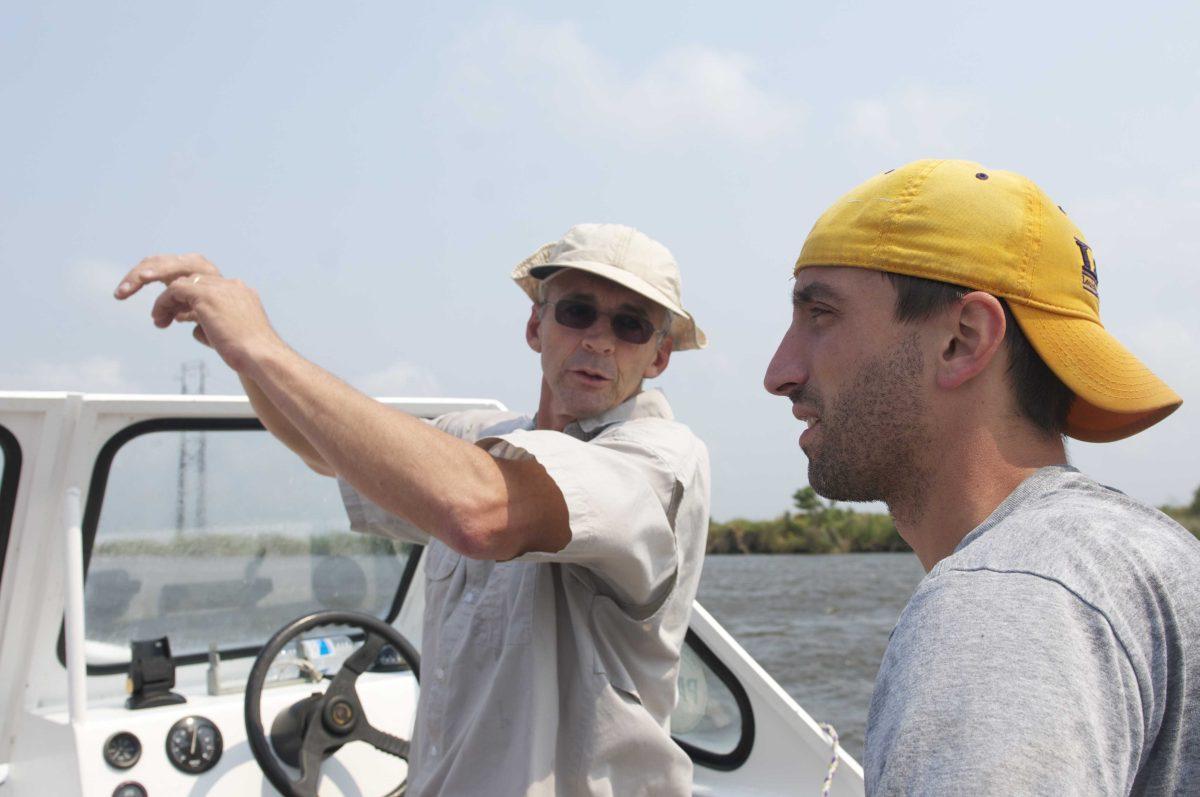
(193, 456)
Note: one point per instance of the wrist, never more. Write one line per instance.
(265, 359)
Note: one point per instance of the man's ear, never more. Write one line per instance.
(533, 329)
(974, 332)
(661, 358)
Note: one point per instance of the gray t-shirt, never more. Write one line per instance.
(1056, 651)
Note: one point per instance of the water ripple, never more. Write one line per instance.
(818, 624)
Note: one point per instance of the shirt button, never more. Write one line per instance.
(433, 750)
(470, 598)
(441, 673)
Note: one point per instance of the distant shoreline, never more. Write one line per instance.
(819, 530)
(827, 528)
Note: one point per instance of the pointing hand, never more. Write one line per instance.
(229, 316)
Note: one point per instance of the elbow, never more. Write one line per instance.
(480, 533)
(319, 466)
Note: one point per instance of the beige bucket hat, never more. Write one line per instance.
(622, 255)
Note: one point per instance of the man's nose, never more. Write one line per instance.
(599, 337)
(787, 370)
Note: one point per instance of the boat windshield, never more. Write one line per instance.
(220, 537)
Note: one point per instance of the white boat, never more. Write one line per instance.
(133, 518)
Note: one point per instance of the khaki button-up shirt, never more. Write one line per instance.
(555, 673)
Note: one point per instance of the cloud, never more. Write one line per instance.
(400, 379)
(682, 93)
(91, 375)
(88, 285)
(916, 119)
(93, 280)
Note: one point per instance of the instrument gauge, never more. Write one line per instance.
(122, 750)
(194, 745)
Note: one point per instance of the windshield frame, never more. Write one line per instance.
(724, 762)
(95, 500)
(9, 479)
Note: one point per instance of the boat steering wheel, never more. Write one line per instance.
(314, 728)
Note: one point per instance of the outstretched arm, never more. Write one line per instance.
(483, 507)
(167, 269)
(277, 424)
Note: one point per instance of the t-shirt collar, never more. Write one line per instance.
(1041, 481)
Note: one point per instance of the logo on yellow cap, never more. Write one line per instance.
(1091, 279)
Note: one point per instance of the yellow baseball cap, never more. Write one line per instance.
(995, 231)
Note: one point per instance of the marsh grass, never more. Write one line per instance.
(249, 545)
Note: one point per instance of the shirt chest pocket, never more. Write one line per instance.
(440, 561)
(504, 603)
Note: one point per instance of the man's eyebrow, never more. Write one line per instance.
(815, 292)
(626, 307)
(635, 309)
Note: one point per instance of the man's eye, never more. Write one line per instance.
(627, 322)
(577, 311)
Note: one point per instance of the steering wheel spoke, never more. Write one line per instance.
(382, 740)
(337, 716)
(362, 659)
(310, 773)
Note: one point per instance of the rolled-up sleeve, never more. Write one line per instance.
(622, 490)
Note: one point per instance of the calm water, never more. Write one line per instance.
(818, 624)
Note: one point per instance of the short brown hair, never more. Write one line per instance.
(1042, 398)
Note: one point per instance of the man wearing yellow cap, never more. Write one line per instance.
(945, 337)
(563, 550)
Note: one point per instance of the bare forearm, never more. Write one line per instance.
(448, 487)
(283, 429)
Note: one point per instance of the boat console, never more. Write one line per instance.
(184, 611)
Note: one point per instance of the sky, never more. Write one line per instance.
(375, 170)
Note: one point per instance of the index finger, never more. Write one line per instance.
(162, 268)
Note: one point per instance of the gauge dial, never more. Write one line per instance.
(194, 745)
(122, 750)
(130, 789)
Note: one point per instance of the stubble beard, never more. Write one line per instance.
(875, 433)
(579, 402)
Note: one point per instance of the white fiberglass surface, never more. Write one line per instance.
(221, 537)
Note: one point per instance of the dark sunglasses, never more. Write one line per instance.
(628, 327)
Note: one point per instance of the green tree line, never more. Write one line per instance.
(814, 526)
(1187, 516)
(818, 526)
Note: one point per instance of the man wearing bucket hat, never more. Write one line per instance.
(563, 550)
(945, 336)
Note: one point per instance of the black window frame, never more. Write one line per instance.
(95, 500)
(9, 479)
(725, 762)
